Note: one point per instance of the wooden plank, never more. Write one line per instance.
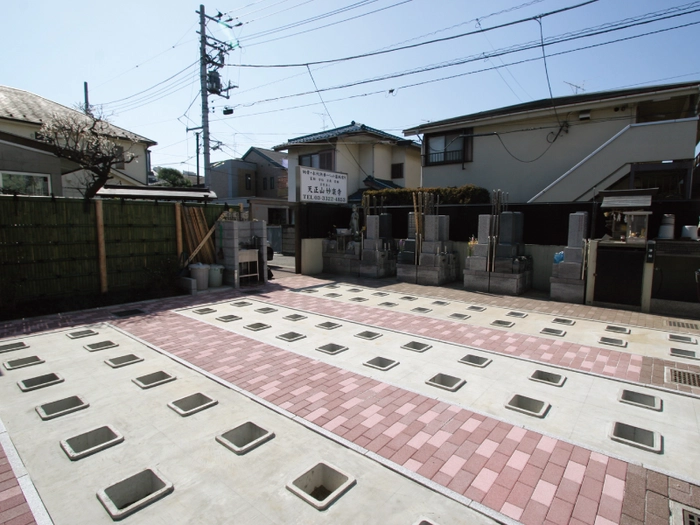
(207, 238)
(178, 228)
(101, 251)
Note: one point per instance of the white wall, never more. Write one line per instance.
(311, 256)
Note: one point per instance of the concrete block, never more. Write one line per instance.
(437, 247)
(444, 227)
(484, 229)
(503, 265)
(431, 228)
(578, 226)
(373, 257)
(567, 290)
(409, 245)
(509, 250)
(372, 226)
(188, 284)
(480, 250)
(430, 259)
(520, 266)
(475, 263)
(385, 225)
(509, 284)
(434, 276)
(475, 281)
(406, 258)
(406, 273)
(574, 255)
(569, 270)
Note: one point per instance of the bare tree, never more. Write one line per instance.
(92, 143)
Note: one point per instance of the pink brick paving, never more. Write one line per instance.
(531, 478)
(13, 506)
(600, 361)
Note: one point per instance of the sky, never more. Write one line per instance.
(141, 61)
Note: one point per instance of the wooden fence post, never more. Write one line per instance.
(101, 251)
(178, 228)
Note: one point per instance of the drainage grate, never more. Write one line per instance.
(617, 329)
(461, 317)
(637, 437)
(548, 378)
(421, 310)
(441, 303)
(123, 360)
(388, 305)
(328, 325)
(203, 311)
(128, 313)
(415, 346)
(474, 308)
(239, 304)
(134, 493)
(332, 348)
(519, 315)
(188, 405)
(381, 363)
(528, 405)
(23, 362)
(228, 318)
(679, 352)
(630, 397)
(256, 327)
(266, 310)
(34, 383)
(612, 342)
(369, 335)
(321, 485)
(102, 345)
(681, 324)
(81, 333)
(446, 382)
(553, 331)
(13, 346)
(380, 294)
(354, 290)
(294, 317)
(682, 377)
(475, 360)
(358, 299)
(244, 438)
(562, 320)
(682, 339)
(61, 407)
(154, 379)
(408, 298)
(290, 337)
(332, 295)
(503, 324)
(90, 442)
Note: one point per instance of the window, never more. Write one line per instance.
(264, 183)
(322, 160)
(272, 183)
(449, 148)
(24, 183)
(119, 153)
(248, 182)
(397, 171)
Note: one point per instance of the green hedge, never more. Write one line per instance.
(467, 194)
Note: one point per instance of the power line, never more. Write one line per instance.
(420, 44)
(150, 88)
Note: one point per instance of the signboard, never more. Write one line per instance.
(323, 186)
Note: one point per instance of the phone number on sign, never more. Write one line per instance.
(323, 198)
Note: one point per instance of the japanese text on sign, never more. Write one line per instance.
(323, 186)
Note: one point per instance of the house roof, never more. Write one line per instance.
(23, 106)
(273, 157)
(547, 103)
(353, 128)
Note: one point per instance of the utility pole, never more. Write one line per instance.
(87, 100)
(203, 59)
(210, 81)
(197, 135)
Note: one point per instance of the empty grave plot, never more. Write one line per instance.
(154, 379)
(14, 364)
(294, 317)
(332, 348)
(548, 378)
(682, 352)
(528, 405)
(332, 295)
(502, 324)
(266, 310)
(475, 308)
(368, 335)
(446, 382)
(11, 347)
(188, 405)
(244, 438)
(380, 294)
(388, 304)
(682, 339)
(90, 442)
(640, 399)
(123, 360)
(321, 485)
(228, 318)
(459, 316)
(357, 299)
(519, 315)
(440, 303)
(241, 304)
(381, 363)
(328, 325)
(475, 360)
(564, 321)
(408, 298)
(34, 383)
(421, 310)
(256, 327)
(637, 437)
(556, 332)
(61, 407)
(80, 334)
(611, 341)
(416, 346)
(133, 493)
(102, 345)
(204, 311)
(291, 336)
(617, 329)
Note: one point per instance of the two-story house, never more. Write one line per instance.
(27, 165)
(369, 157)
(564, 149)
